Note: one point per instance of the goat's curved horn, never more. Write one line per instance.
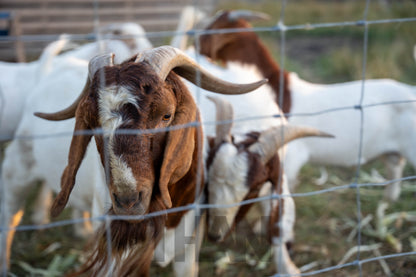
(99, 62)
(247, 15)
(224, 113)
(274, 138)
(94, 65)
(163, 59)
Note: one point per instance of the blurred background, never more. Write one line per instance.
(326, 226)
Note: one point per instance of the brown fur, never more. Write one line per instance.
(172, 158)
(245, 47)
(140, 237)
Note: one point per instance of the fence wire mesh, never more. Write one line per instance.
(279, 32)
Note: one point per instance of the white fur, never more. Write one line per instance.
(17, 81)
(111, 99)
(257, 106)
(29, 159)
(122, 174)
(188, 18)
(182, 244)
(387, 128)
(227, 185)
(282, 259)
(14, 92)
(253, 111)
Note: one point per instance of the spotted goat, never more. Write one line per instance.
(242, 170)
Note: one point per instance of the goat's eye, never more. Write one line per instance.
(166, 117)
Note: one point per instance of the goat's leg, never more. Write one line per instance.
(394, 163)
(188, 263)
(286, 223)
(14, 222)
(84, 229)
(43, 204)
(281, 227)
(12, 217)
(282, 259)
(42, 211)
(16, 177)
(296, 157)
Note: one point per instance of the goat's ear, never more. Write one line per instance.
(77, 150)
(219, 41)
(180, 147)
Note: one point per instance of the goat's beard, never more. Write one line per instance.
(132, 245)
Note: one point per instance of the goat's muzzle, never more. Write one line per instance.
(218, 227)
(131, 203)
(214, 237)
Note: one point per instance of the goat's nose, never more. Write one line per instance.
(214, 237)
(128, 201)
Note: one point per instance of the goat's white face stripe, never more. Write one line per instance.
(227, 181)
(122, 175)
(111, 99)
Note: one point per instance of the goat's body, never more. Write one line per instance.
(13, 92)
(257, 111)
(37, 157)
(388, 122)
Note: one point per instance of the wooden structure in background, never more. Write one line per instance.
(54, 17)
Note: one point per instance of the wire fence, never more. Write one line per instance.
(279, 28)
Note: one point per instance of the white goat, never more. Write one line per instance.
(189, 16)
(389, 118)
(29, 159)
(13, 91)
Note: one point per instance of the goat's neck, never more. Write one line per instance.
(259, 55)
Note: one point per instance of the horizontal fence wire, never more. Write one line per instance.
(281, 28)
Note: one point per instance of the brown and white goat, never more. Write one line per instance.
(147, 172)
(244, 47)
(386, 126)
(247, 169)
